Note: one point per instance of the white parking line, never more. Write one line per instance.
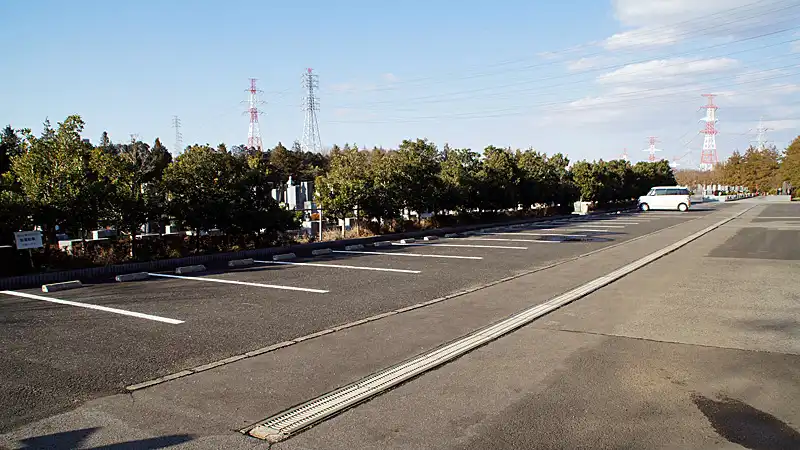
(525, 233)
(593, 230)
(244, 283)
(339, 266)
(464, 245)
(97, 307)
(600, 226)
(511, 240)
(622, 222)
(408, 254)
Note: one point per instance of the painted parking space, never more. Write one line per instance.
(220, 319)
(122, 312)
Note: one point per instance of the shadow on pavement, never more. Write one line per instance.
(744, 425)
(73, 439)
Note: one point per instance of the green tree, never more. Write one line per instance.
(648, 174)
(10, 147)
(285, 163)
(498, 179)
(54, 175)
(563, 191)
(790, 165)
(535, 178)
(347, 184)
(459, 179)
(210, 189)
(413, 175)
(760, 169)
(131, 176)
(588, 181)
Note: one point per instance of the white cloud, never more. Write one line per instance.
(795, 47)
(758, 75)
(780, 125)
(644, 36)
(584, 63)
(666, 22)
(667, 70)
(389, 77)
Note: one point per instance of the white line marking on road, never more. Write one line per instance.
(538, 241)
(97, 307)
(463, 245)
(243, 283)
(339, 266)
(597, 225)
(525, 233)
(288, 422)
(409, 254)
(622, 222)
(593, 230)
(777, 218)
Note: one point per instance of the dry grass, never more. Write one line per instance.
(335, 234)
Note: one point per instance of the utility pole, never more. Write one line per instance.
(708, 158)
(761, 139)
(254, 131)
(176, 123)
(311, 141)
(652, 149)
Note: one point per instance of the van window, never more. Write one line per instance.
(659, 192)
(673, 192)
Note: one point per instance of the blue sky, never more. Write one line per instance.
(583, 77)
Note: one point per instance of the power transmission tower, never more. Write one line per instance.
(254, 132)
(652, 149)
(708, 158)
(176, 123)
(761, 139)
(624, 156)
(311, 141)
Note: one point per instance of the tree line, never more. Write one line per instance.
(382, 185)
(759, 170)
(64, 185)
(60, 183)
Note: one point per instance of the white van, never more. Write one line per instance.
(666, 197)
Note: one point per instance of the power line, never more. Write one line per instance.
(449, 78)
(471, 92)
(625, 98)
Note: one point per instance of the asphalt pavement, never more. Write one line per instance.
(55, 356)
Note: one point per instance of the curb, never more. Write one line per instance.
(138, 276)
(241, 262)
(190, 269)
(55, 287)
(284, 257)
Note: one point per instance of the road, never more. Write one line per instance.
(663, 357)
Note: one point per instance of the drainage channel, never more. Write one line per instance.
(289, 422)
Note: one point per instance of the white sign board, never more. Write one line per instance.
(28, 239)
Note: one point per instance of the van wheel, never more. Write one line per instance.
(683, 207)
(644, 207)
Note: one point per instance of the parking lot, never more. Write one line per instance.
(59, 349)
